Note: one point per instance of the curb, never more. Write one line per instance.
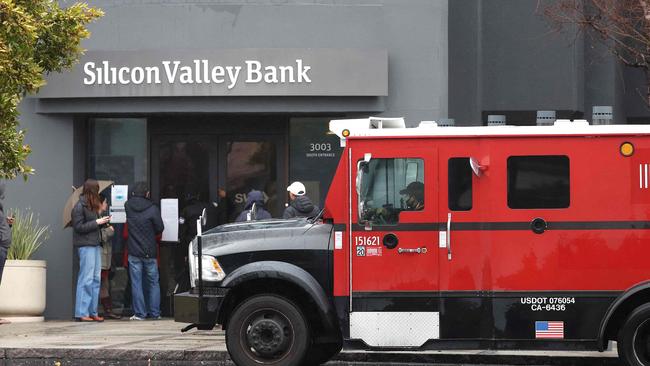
(108, 357)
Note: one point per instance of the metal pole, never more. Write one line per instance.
(200, 249)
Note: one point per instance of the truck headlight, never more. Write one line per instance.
(211, 269)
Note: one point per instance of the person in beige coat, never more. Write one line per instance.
(106, 234)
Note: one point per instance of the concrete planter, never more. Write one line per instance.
(22, 291)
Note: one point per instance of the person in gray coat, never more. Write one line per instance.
(5, 236)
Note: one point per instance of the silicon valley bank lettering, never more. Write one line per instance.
(198, 72)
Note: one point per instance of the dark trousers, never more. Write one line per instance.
(3, 258)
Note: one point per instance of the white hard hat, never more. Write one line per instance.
(297, 188)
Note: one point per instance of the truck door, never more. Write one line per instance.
(394, 256)
(464, 256)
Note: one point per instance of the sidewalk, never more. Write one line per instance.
(161, 343)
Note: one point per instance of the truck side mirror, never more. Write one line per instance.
(253, 212)
(476, 167)
(204, 217)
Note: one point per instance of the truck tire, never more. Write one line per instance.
(267, 330)
(634, 338)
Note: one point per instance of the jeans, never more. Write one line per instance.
(88, 281)
(145, 283)
(3, 258)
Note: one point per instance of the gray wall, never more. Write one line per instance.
(46, 193)
(635, 89)
(503, 56)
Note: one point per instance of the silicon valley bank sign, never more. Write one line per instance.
(201, 72)
(230, 72)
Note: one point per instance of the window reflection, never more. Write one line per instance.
(252, 165)
(118, 149)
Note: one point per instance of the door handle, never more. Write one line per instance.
(449, 236)
(422, 250)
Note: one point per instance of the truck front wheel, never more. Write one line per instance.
(634, 338)
(267, 330)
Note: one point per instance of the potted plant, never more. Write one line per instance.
(22, 292)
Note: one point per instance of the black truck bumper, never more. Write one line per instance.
(190, 308)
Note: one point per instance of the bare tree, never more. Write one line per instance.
(623, 26)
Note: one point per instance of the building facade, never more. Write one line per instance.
(193, 96)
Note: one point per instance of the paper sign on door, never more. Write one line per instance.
(442, 239)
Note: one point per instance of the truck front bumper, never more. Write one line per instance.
(190, 308)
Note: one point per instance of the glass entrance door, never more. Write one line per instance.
(181, 168)
(193, 168)
(185, 165)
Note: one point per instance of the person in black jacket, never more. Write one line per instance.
(5, 237)
(86, 225)
(193, 209)
(189, 214)
(145, 223)
(300, 205)
(218, 211)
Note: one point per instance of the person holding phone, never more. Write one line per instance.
(86, 238)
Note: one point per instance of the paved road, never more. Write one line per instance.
(161, 343)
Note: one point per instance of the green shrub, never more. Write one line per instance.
(27, 235)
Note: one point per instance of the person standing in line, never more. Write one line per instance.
(300, 205)
(145, 223)
(255, 198)
(190, 213)
(193, 209)
(86, 238)
(107, 232)
(5, 237)
(218, 210)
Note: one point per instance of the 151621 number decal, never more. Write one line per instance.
(367, 241)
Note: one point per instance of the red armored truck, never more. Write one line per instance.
(497, 237)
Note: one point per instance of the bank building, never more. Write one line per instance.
(193, 96)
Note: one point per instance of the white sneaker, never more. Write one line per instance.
(135, 317)
(156, 318)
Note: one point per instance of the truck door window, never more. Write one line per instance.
(459, 184)
(538, 181)
(388, 187)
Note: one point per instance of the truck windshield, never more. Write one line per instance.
(386, 187)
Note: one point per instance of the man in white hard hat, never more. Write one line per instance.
(300, 205)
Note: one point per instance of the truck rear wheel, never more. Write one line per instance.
(267, 330)
(634, 338)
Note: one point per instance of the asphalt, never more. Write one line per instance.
(124, 342)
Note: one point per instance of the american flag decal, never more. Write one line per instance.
(549, 330)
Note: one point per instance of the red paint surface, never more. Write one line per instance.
(605, 187)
